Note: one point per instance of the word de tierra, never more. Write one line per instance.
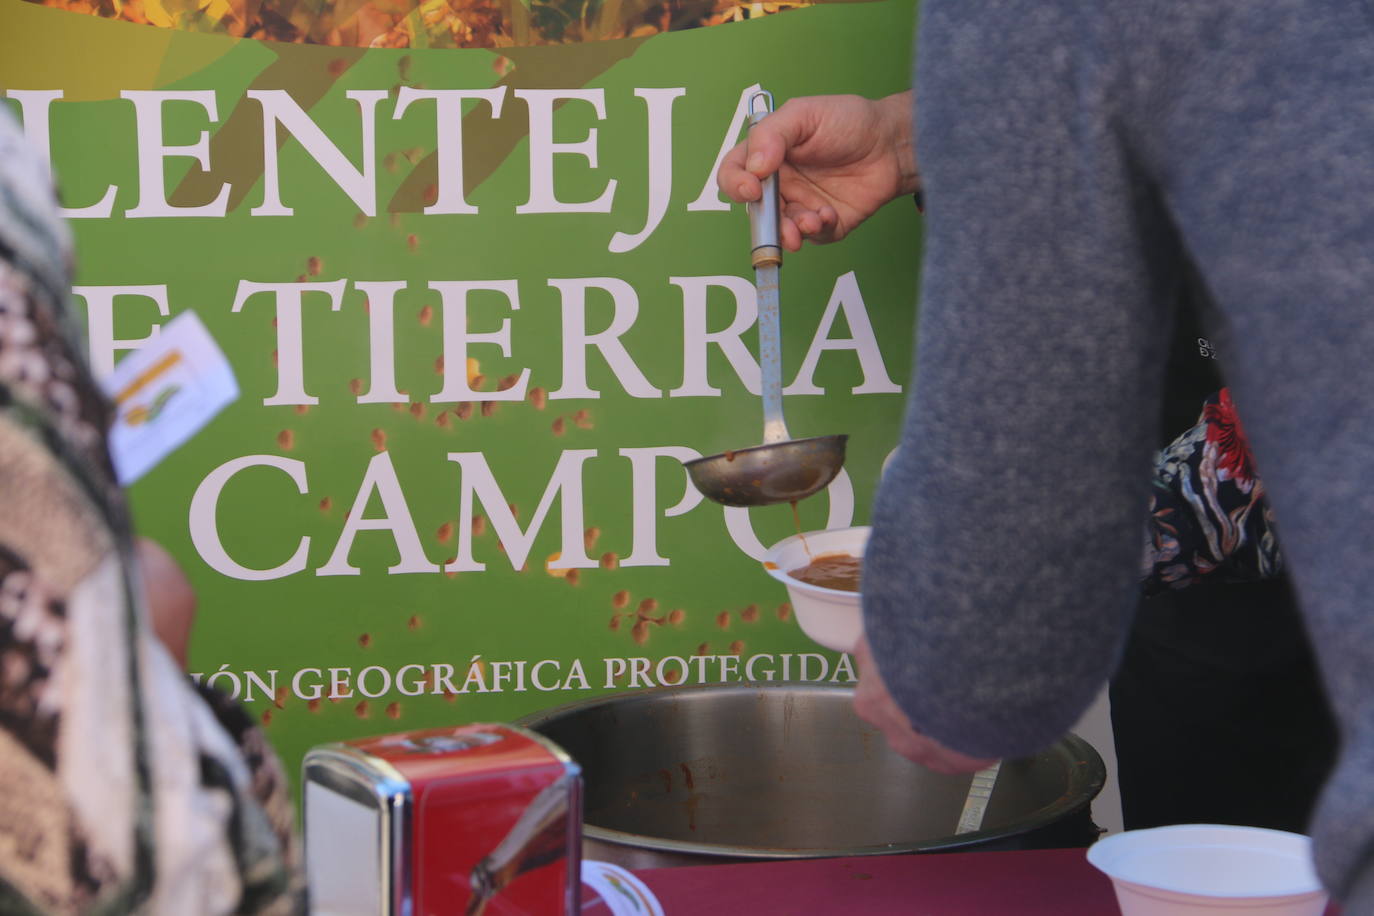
(488, 314)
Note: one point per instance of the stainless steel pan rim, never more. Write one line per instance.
(1085, 771)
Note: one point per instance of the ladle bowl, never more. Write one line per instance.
(763, 475)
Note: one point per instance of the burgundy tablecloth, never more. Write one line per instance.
(1053, 882)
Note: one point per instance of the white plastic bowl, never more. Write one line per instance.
(1210, 870)
(830, 616)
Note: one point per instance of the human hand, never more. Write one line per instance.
(169, 596)
(875, 706)
(838, 159)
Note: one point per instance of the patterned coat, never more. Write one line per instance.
(123, 789)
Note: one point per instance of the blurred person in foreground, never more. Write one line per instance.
(1079, 161)
(123, 789)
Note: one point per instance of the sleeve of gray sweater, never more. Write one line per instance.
(1076, 154)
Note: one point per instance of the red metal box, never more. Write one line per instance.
(480, 819)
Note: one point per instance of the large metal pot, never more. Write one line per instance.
(694, 775)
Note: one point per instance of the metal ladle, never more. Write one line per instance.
(782, 469)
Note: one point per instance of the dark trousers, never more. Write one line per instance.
(1218, 713)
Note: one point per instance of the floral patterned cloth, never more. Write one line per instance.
(1209, 520)
(122, 790)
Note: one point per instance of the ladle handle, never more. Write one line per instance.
(770, 355)
(764, 238)
(767, 258)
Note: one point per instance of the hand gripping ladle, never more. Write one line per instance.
(782, 469)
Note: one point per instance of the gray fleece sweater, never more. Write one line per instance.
(1076, 155)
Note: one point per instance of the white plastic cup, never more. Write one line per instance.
(1210, 870)
(830, 616)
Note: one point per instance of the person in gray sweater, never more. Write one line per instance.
(1077, 160)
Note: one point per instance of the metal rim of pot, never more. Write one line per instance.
(1087, 776)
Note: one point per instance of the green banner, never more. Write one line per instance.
(480, 304)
